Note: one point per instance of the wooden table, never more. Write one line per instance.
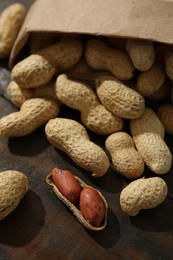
(43, 228)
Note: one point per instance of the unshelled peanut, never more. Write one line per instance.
(100, 56)
(163, 92)
(39, 68)
(80, 96)
(19, 95)
(11, 20)
(148, 136)
(142, 53)
(13, 186)
(151, 80)
(33, 113)
(118, 98)
(126, 160)
(148, 122)
(143, 194)
(165, 114)
(71, 137)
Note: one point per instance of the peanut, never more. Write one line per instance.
(11, 20)
(38, 69)
(92, 206)
(94, 115)
(143, 194)
(126, 160)
(100, 56)
(13, 186)
(75, 209)
(162, 93)
(142, 53)
(18, 96)
(165, 114)
(151, 80)
(67, 184)
(118, 98)
(148, 133)
(148, 122)
(33, 113)
(72, 138)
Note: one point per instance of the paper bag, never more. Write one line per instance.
(146, 19)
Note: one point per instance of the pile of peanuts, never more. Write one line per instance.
(112, 83)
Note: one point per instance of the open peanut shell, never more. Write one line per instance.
(73, 208)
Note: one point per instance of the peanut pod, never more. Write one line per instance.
(100, 56)
(39, 68)
(71, 137)
(11, 20)
(13, 186)
(18, 95)
(143, 194)
(33, 113)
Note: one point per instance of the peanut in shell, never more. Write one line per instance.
(13, 186)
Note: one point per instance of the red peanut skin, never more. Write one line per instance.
(92, 206)
(67, 184)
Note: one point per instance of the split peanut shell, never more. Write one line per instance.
(73, 208)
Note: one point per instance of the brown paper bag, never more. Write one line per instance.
(146, 19)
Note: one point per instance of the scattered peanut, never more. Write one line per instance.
(148, 137)
(151, 80)
(33, 113)
(142, 53)
(94, 115)
(38, 69)
(165, 114)
(13, 186)
(143, 194)
(118, 98)
(18, 95)
(11, 21)
(126, 160)
(100, 56)
(72, 138)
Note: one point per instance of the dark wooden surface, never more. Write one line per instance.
(43, 228)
